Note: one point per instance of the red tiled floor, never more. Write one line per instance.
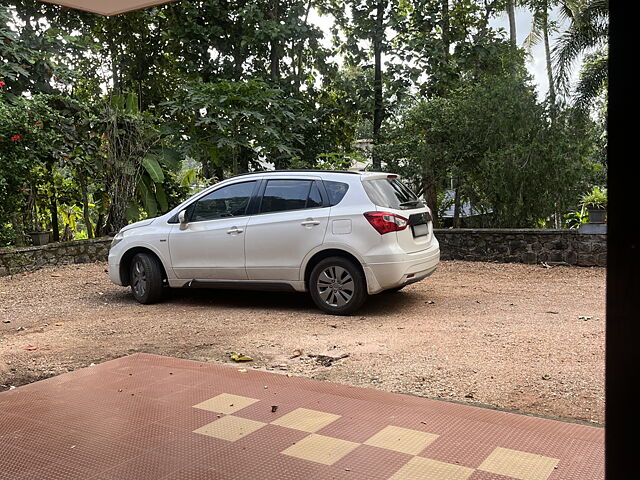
(136, 418)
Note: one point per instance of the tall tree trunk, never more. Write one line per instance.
(446, 40)
(456, 205)
(298, 72)
(547, 53)
(53, 205)
(17, 221)
(440, 88)
(430, 193)
(511, 12)
(82, 181)
(274, 56)
(378, 106)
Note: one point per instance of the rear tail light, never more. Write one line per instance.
(385, 222)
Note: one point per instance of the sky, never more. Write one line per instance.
(536, 62)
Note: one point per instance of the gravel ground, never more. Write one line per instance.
(519, 337)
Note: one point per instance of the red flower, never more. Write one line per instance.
(2, 84)
(38, 123)
(15, 138)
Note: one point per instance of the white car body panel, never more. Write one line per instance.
(276, 247)
(209, 250)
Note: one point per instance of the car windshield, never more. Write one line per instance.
(391, 193)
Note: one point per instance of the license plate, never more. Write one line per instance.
(420, 230)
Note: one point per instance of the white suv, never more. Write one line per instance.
(339, 235)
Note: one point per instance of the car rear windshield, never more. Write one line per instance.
(391, 193)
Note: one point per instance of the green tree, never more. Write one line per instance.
(498, 141)
(231, 126)
(587, 34)
(541, 28)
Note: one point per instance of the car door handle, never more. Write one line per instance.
(233, 230)
(310, 222)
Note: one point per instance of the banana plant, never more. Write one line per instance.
(157, 165)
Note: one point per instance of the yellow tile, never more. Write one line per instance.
(401, 440)
(306, 420)
(419, 468)
(321, 449)
(521, 465)
(230, 428)
(226, 403)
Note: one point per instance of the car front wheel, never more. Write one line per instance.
(146, 278)
(337, 286)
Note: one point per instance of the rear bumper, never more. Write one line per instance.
(402, 269)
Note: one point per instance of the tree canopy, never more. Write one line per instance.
(110, 120)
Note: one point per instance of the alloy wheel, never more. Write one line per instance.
(139, 280)
(335, 286)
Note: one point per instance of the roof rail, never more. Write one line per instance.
(294, 170)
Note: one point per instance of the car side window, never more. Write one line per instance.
(336, 191)
(285, 195)
(229, 201)
(315, 199)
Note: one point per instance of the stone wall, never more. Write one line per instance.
(480, 245)
(32, 258)
(523, 246)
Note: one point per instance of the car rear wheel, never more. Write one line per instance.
(146, 278)
(337, 286)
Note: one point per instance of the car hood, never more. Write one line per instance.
(141, 223)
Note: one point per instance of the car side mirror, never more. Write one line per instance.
(182, 217)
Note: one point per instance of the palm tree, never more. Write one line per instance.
(540, 29)
(511, 13)
(587, 34)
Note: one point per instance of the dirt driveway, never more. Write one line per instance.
(519, 337)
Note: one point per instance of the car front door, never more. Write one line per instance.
(291, 220)
(211, 243)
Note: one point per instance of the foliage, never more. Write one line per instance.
(497, 141)
(596, 198)
(588, 33)
(110, 120)
(237, 124)
(575, 218)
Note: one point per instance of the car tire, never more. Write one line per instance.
(337, 286)
(145, 277)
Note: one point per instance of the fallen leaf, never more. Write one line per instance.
(296, 353)
(59, 324)
(546, 377)
(56, 275)
(274, 408)
(238, 357)
(6, 321)
(30, 347)
(243, 370)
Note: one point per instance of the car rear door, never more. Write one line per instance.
(290, 221)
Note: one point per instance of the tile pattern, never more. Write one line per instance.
(134, 418)
(521, 465)
(327, 450)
